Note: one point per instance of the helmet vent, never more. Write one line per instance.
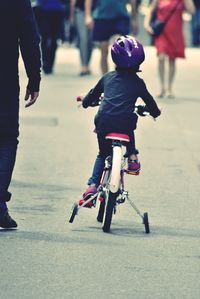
(121, 44)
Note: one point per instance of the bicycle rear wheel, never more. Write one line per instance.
(113, 187)
(105, 180)
(109, 211)
(116, 168)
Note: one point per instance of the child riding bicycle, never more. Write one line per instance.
(121, 89)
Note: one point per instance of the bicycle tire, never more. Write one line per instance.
(101, 211)
(116, 169)
(74, 213)
(146, 223)
(105, 184)
(109, 211)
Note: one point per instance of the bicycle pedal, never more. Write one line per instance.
(133, 172)
(90, 204)
(120, 200)
(101, 198)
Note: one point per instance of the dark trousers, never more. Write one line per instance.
(50, 28)
(195, 23)
(9, 111)
(105, 150)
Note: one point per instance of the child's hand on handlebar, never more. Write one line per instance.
(82, 98)
(79, 98)
(142, 110)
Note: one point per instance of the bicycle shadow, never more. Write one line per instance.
(54, 237)
(155, 231)
(159, 231)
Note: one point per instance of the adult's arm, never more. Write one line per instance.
(189, 6)
(88, 14)
(147, 20)
(29, 45)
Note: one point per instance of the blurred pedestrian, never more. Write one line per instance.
(77, 18)
(195, 25)
(50, 18)
(17, 29)
(110, 17)
(170, 42)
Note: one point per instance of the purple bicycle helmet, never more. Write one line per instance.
(127, 52)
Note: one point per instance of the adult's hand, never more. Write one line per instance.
(148, 28)
(89, 22)
(30, 97)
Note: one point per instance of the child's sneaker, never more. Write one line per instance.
(133, 166)
(90, 191)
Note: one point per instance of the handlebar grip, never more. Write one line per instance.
(142, 110)
(78, 99)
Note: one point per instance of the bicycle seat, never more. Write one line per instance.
(118, 136)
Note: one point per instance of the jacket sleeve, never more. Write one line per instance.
(29, 45)
(149, 101)
(92, 98)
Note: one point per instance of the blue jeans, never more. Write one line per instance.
(105, 150)
(195, 25)
(84, 38)
(9, 111)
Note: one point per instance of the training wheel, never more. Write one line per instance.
(146, 223)
(74, 212)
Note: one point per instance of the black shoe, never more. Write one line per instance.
(5, 220)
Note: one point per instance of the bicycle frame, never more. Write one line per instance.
(111, 189)
(116, 193)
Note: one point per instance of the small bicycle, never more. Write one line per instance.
(111, 191)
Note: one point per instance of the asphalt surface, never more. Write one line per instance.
(47, 257)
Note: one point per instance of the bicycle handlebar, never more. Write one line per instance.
(139, 109)
(79, 99)
(142, 110)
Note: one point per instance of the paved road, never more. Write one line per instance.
(49, 258)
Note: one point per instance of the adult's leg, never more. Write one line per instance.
(8, 149)
(104, 56)
(171, 74)
(85, 41)
(9, 131)
(9, 111)
(90, 46)
(161, 72)
(44, 29)
(55, 20)
(195, 28)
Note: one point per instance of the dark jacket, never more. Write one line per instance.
(121, 90)
(18, 30)
(52, 5)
